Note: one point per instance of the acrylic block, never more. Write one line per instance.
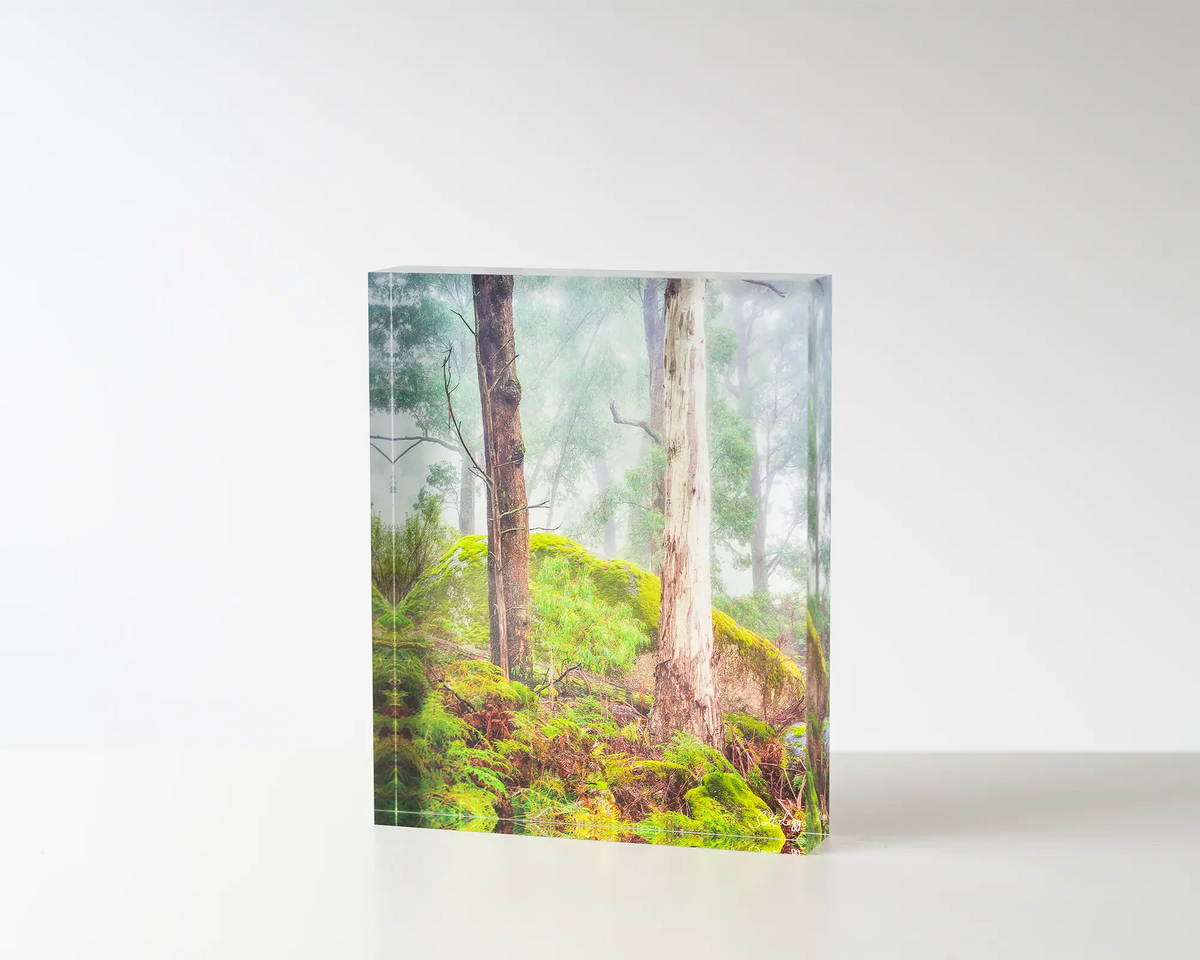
(600, 542)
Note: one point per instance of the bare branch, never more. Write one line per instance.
(421, 439)
(392, 460)
(633, 423)
(464, 320)
(549, 683)
(770, 286)
(479, 471)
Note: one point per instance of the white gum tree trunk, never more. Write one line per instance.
(685, 688)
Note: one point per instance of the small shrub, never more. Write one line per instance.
(401, 553)
(572, 625)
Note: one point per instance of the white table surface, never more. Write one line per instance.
(257, 854)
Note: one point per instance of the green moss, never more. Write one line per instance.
(724, 804)
(750, 728)
(451, 597)
(756, 654)
(723, 812)
(452, 594)
(480, 683)
(730, 792)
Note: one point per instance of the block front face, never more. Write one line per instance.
(600, 515)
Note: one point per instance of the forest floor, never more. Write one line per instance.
(459, 747)
(568, 754)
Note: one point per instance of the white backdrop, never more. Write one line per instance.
(1006, 197)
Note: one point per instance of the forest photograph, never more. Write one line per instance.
(600, 553)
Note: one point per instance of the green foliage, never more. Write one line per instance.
(571, 625)
(780, 617)
(813, 826)
(544, 800)
(442, 482)
(379, 603)
(685, 752)
(425, 760)
(633, 492)
(412, 326)
(394, 620)
(731, 451)
(452, 597)
(721, 349)
(481, 683)
(571, 771)
(748, 727)
(401, 553)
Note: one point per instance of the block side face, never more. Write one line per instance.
(598, 594)
(818, 513)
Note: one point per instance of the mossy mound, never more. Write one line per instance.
(451, 597)
(722, 811)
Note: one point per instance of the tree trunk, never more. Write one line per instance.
(654, 322)
(744, 328)
(466, 498)
(610, 528)
(685, 688)
(504, 453)
(758, 539)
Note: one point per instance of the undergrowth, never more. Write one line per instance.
(458, 746)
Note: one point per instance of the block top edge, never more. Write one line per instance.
(558, 272)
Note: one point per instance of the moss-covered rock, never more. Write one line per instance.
(452, 597)
(724, 804)
(722, 812)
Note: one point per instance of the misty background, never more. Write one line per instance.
(1005, 195)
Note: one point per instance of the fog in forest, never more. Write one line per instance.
(582, 363)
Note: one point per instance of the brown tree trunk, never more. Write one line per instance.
(466, 498)
(685, 688)
(504, 455)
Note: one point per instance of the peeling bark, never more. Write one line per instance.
(685, 689)
(654, 322)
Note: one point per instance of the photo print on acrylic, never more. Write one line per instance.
(600, 543)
